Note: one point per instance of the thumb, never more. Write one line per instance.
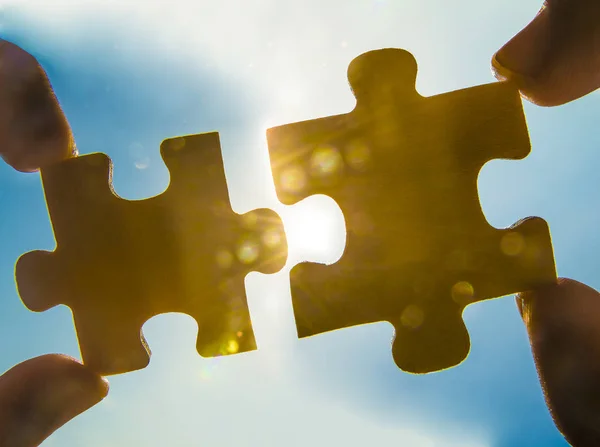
(562, 322)
(42, 394)
(556, 58)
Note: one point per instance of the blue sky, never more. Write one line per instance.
(129, 74)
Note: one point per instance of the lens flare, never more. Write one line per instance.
(412, 317)
(232, 346)
(224, 259)
(463, 292)
(512, 244)
(272, 238)
(326, 161)
(248, 252)
(358, 155)
(293, 179)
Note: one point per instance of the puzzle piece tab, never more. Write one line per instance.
(119, 263)
(403, 169)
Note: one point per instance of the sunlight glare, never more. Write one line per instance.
(290, 96)
(315, 230)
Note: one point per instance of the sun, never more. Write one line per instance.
(315, 230)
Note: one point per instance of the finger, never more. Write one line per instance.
(34, 131)
(563, 325)
(556, 58)
(42, 394)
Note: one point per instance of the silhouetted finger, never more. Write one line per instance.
(33, 129)
(563, 322)
(42, 394)
(556, 58)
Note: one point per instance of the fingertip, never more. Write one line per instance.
(566, 299)
(562, 322)
(42, 394)
(554, 59)
(93, 385)
(34, 131)
(567, 306)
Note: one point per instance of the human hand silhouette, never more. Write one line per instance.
(42, 394)
(554, 60)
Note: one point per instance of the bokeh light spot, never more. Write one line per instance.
(512, 244)
(248, 252)
(272, 238)
(326, 161)
(293, 179)
(224, 259)
(463, 292)
(142, 164)
(136, 150)
(358, 155)
(412, 317)
(232, 346)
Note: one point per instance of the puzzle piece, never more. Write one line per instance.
(403, 169)
(119, 263)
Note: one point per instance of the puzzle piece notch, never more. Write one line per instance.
(403, 168)
(119, 263)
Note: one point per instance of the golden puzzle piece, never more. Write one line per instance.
(119, 263)
(403, 169)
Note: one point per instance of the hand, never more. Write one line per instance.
(563, 325)
(554, 60)
(33, 129)
(39, 395)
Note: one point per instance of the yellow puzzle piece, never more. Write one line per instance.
(403, 168)
(119, 262)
